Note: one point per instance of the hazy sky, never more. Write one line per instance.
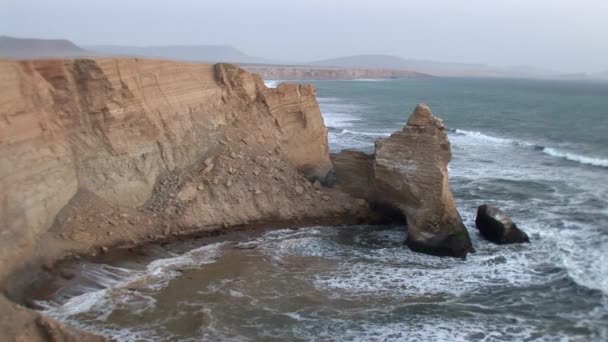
(565, 35)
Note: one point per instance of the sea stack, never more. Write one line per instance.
(408, 174)
(410, 170)
(496, 226)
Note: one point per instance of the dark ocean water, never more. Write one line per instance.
(537, 149)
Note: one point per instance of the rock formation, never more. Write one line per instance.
(408, 172)
(105, 152)
(496, 226)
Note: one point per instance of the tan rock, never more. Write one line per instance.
(208, 161)
(187, 193)
(408, 172)
(317, 185)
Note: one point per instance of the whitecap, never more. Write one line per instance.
(271, 83)
(594, 161)
(339, 120)
(481, 136)
(370, 134)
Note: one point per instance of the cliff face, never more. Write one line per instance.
(328, 73)
(113, 126)
(408, 172)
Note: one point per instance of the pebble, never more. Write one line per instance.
(299, 189)
(200, 188)
(208, 161)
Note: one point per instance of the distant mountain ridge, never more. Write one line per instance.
(195, 53)
(430, 67)
(31, 48)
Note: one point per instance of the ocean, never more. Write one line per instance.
(536, 149)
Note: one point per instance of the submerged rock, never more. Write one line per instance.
(496, 226)
(408, 174)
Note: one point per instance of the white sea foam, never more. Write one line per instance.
(576, 157)
(272, 83)
(116, 281)
(593, 161)
(339, 120)
(484, 137)
(369, 134)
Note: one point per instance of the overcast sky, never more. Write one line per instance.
(564, 35)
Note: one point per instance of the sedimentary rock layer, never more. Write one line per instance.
(112, 126)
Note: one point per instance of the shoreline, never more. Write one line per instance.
(40, 273)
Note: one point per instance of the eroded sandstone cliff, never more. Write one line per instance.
(107, 152)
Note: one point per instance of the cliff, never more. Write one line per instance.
(328, 73)
(97, 153)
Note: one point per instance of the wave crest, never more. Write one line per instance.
(574, 157)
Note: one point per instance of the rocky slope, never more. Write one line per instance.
(408, 174)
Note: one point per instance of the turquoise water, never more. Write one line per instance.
(537, 149)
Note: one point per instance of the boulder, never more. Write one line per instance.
(494, 225)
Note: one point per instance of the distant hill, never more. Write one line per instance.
(26, 48)
(582, 76)
(603, 75)
(29, 48)
(430, 67)
(195, 53)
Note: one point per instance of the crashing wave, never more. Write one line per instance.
(576, 157)
(593, 161)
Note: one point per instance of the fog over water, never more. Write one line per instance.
(565, 36)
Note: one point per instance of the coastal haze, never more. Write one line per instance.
(445, 38)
